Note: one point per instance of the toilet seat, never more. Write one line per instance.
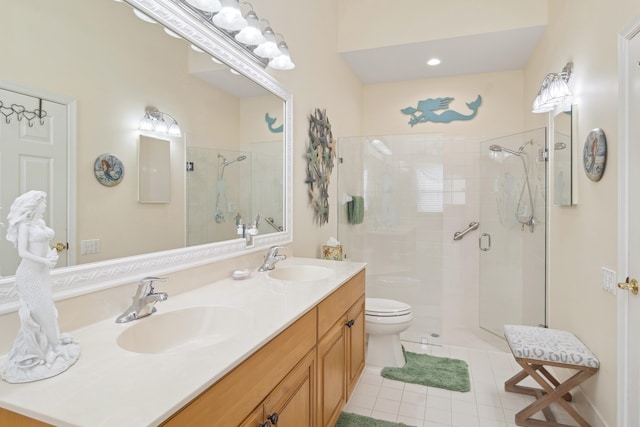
(381, 307)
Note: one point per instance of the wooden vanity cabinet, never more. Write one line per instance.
(8, 418)
(305, 374)
(273, 377)
(355, 344)
(292, 402)
(340, 348)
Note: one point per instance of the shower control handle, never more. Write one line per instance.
(484, 248)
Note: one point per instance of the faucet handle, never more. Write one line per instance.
(148, 281)
(273, 250)
(151, 279)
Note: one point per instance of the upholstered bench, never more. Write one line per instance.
(534, 348)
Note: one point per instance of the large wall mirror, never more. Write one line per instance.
(563, 156)
(94, 67)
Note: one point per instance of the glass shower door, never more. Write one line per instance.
(512, 242)
(400, 179)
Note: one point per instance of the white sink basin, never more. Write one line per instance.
(300, 273)
(184, 329)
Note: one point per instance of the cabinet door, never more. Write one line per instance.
(332, 374)
(256, 419)
(292, 402)
(355, 344)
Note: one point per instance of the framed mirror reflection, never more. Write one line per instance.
(563, 157)
(95, 67)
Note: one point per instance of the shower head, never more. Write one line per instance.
(498, 148)
(226, 163)
(237, 159)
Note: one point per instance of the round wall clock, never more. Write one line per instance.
(109, 170)
(594, 154)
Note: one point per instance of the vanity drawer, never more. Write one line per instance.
(336, 305)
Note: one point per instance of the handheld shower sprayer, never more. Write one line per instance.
(499, 148)
(521, 215)
(221, 198)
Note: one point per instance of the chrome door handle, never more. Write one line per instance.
(484, 248)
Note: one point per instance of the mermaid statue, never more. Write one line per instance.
(40, 350)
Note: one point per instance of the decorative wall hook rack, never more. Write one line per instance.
(21, 112)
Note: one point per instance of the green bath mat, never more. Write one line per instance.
(432, 371)
(348, 419)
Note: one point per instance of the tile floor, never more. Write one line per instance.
(486, 405)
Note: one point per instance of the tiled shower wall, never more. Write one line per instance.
(416, 199)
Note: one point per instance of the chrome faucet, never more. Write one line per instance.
(143, 301)
(271, 258)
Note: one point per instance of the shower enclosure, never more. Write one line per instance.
(513, 231)
(419, 191)
(218, 189)
(229, 185)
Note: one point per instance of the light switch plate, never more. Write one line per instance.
(609, 281)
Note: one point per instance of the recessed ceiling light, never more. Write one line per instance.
(433, 61)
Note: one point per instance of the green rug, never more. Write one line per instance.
(348, 419)
(432, 371)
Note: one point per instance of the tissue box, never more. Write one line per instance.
(332, 252)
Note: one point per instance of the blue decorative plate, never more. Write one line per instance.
(109, 170)
(594, 154)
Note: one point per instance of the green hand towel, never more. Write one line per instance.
(355, 210)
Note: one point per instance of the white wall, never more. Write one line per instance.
(374, 23)
(322, 80)
(583, 237)
(119, 77)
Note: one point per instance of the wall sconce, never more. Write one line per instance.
(554, 90)
(153, 120)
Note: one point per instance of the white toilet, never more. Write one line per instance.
(385, 319)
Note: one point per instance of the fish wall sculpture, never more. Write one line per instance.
(320, 157)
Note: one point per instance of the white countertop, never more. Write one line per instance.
(109, 386)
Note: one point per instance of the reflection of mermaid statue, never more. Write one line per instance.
(428, 107)
(40, 350)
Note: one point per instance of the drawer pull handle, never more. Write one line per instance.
(267, 424)
(350, 323)
(273, 418)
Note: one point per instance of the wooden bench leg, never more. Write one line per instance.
(512, 383)
(552, 391)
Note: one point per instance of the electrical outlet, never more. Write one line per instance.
(608, 281)
(88, 247)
